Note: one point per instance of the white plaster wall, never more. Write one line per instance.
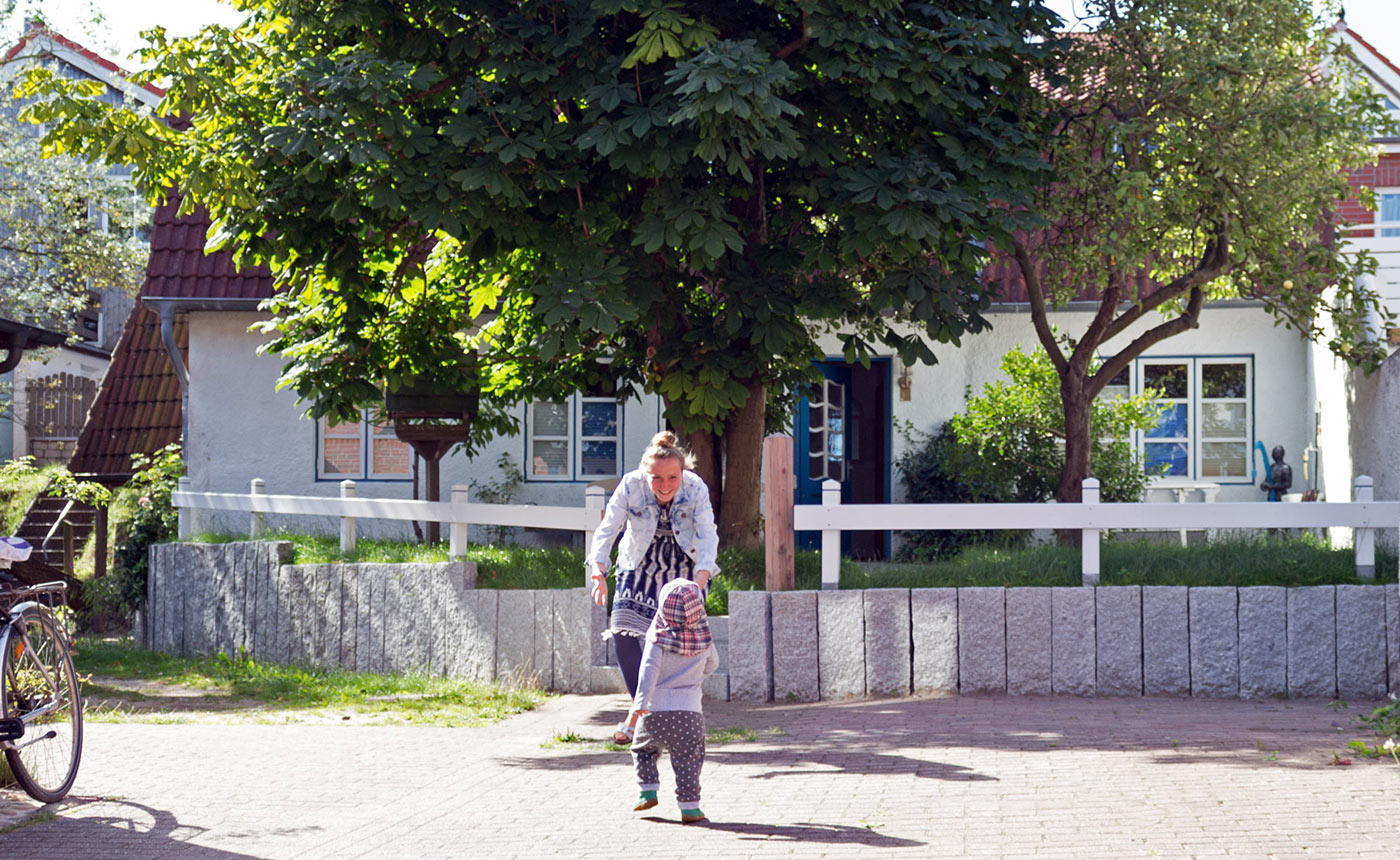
(1282, 413)
(240, 427)
(46, 362)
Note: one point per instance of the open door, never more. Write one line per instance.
(842, 432)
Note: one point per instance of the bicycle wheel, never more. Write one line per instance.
(40, 687)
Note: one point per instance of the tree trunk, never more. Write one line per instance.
(738, 520)
(1077, 464)
(706, 448)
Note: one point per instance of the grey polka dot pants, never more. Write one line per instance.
(683, 734)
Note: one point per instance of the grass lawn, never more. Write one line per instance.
(123, 683)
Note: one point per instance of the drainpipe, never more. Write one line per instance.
(172, 349)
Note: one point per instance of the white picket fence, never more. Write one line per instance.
(831, 517)
(458, 513)
(1093, 517)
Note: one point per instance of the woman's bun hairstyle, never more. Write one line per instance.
(665, 446)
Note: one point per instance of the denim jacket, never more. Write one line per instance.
(633, 511)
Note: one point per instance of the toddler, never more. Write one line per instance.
(676, 657)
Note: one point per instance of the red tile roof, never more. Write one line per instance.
(138, 407)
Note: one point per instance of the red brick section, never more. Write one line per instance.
(137, 410)
(1383, 174)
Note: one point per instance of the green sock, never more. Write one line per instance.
(648, 795)
(692, 812)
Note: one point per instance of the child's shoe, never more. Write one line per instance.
(646, 801)
(692, 816)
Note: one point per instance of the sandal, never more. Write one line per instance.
(622, 735)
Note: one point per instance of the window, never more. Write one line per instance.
(579, 439)
(361, 450)
(826, 432)
(1388, 212)
(1206, 430)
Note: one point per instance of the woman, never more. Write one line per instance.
(662, 510)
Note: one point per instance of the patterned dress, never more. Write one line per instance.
(634, 603)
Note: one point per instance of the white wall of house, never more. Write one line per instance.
(240, 427)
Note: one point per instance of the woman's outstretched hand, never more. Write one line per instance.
(702, 578)
(599, 581)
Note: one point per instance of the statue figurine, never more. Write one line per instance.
(1280, 476)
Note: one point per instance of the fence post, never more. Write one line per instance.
(457, 531)
(594, 499)
(185, 527)
(1089, 552)
(778, 536)
(256, 523)
(347, 524)
(1365, 491)
(831, 540)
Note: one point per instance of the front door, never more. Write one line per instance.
(842, 432)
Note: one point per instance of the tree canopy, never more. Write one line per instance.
(1201, 151)
(691, 192)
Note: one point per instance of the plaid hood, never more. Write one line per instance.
(680, 625)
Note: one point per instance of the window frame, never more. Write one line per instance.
(1381, 224)
(575, 439)
(366, 435)
(1195, 402)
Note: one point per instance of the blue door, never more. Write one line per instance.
(841, 432)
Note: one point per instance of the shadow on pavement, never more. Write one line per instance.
(131, 830)
(804, 832)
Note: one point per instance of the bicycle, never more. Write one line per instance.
(41, 711)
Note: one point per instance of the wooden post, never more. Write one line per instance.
(457, 531)
(347, 524)
(186, 515)
(594, 499)
(256, 522)
(831, 540)
(778, 536)
(1365, 491)
(1089, 554)
(99, 533)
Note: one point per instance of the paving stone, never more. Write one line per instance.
(795, 673)
(1028, 641)
(1166, 648)
(934, 628)
(1263, 615)
(1215, 660)
(1312, 641)
(888, 656)
(1072, 641)
(750, 646)
(1361, 655)
(1118, 628)
(982, 640)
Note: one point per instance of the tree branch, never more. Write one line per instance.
(1036, 295)
(1142, 342)
(1213, 262)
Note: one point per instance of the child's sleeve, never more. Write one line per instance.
(647, 676)
(711, 660)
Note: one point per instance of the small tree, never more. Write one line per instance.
(1201, 150)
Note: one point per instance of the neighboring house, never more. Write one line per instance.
(1235, 380)
(47, 396)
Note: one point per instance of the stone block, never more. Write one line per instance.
(1118, 632)
(1166, 649)
(1361, 657)
(325, 642)
(515, 638)
(1392, 636)
(840, 644)
(544, 638)
(1263, 613)
(606, 680)
(573, 629)
(934, 628)
(1312, 641)
(750, 646)
(1215, 657)
(1073, 641)
(715, 686)
(265, 620)
(982, 640)
(1028, 641)
(369, 625)
(795, 675)
(888, 670)
(719, 632)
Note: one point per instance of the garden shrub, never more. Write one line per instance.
(146, 517)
